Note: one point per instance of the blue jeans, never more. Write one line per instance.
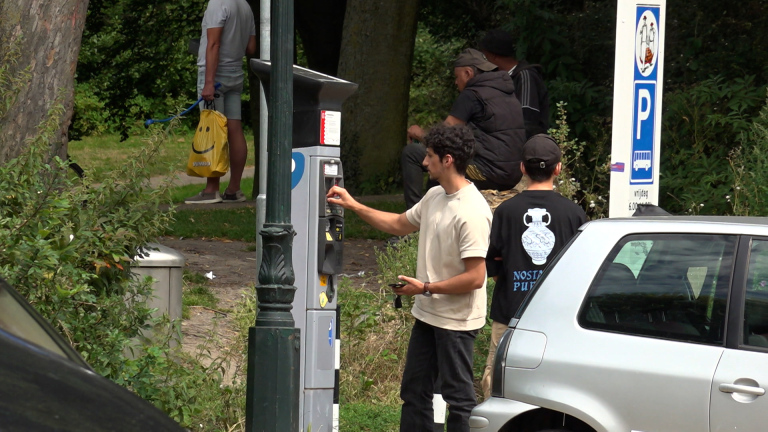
(432, 351)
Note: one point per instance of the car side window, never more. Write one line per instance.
(671, 286)
(755, 326)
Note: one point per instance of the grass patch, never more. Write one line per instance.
(194, 278)
(366, 417)
(199, 295)
(99, 155)
(196, 293)
(375, 336)
(225, 223)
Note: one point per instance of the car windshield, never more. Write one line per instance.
(16, 320)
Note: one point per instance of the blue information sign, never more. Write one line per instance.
(644, 104)
(643, 132)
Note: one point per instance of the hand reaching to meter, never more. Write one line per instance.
(392, 223)
(339, 196)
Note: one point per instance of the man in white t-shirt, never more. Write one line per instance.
(454, 223)
(228, 34)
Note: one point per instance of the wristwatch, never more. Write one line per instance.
(426, 292)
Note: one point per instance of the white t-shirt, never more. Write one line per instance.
(451, 227)
(236, 19)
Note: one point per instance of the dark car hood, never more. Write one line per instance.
(40, 391)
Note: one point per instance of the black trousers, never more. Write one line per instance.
(432, 351)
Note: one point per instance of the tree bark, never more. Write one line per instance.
(376, 53)
(49, 33)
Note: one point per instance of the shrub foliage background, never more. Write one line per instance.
(68, 244)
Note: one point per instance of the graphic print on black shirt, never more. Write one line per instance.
(538, 240)
(528, 231)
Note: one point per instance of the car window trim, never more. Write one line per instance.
(735, 308)
(738, 295)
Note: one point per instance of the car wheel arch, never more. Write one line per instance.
(546, 420)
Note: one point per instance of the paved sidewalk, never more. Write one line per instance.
(183, 179)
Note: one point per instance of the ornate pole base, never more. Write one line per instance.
(275, 290)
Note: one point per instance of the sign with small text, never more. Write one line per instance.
(635, 147)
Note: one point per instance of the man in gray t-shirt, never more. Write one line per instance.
(228, 34)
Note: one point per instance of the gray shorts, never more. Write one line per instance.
(229, 100)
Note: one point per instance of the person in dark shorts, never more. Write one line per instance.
(228, 34)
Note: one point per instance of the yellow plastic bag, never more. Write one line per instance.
(209, 156)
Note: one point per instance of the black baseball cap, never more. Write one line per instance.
(499, 42)
(542, 149)
(473, 57)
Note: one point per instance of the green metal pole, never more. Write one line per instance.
(273, 388)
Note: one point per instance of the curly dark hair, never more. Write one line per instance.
(457, 141)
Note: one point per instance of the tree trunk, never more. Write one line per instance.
(319, 25)
(49, 34)
(376, 53)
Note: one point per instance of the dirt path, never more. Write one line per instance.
(233, 263)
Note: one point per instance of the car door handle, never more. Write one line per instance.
(735, 388)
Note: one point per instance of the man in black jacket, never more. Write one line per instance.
(487, 104)
(499, 47)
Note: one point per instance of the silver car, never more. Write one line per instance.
(641, 325)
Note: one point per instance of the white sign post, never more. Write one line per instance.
(637, 105)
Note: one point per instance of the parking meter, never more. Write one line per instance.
(319, 243)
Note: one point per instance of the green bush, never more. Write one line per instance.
(701, 126)
(585, 174)
(749, 167)
(68, 245)
(432, 82)
(90, 117)
(134, 56)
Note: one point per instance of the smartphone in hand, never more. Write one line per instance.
(397, 285)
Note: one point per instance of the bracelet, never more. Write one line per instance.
(426, 292)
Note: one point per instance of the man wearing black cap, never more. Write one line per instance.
(487, 104)
(499, 47)
(528, 230)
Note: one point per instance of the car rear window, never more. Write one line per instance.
(672, 286)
